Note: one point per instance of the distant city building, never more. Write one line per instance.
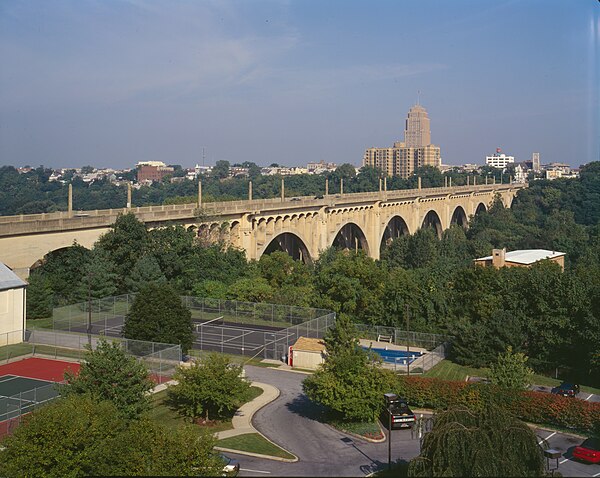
(417, 132)
(535, 162)
(405, 156)
(149, 171)
(520, 174)
(320, 167)
(499, 160)
(522, 258)
(201, 169)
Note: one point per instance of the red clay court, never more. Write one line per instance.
(39, 368)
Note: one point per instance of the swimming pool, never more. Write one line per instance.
(395, 356)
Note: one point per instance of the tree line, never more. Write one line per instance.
(33, 192)
(551, 316)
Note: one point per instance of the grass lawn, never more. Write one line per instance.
(365, 429)
(448, 370)
(254, 443)
(168, 417)
(33, 324)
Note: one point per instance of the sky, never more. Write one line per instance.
(111, 83)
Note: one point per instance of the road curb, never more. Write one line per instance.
(258, 455)
(360, 437)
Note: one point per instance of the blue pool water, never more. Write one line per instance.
(395, 356)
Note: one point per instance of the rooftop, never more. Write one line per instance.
(9, 280)
(309, 345)
(527, 256)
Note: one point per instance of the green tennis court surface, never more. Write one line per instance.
(19, 395)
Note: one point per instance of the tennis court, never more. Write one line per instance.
(20, 395)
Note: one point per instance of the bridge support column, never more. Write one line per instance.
(283, 189)
(250, 191)
(326, 186)
(199, 193)
(129, 195)
(70, 206)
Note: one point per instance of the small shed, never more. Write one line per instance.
(12, 306)
(307, 353)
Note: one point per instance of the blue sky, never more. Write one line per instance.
(111, 83)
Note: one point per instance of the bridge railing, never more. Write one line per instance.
(176, 211)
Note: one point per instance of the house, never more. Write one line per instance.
(521, 258)
(12, 307)
(307, 353)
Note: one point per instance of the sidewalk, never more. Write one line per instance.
(242, 420)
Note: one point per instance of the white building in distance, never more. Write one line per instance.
(499, 160)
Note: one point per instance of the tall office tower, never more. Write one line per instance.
(535, 162)
(417, 133)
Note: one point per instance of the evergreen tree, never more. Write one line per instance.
(125, 243)
(39, 297)
(158, 315)
(145, 270)
(99, 278)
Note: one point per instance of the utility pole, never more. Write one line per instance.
(407, 342)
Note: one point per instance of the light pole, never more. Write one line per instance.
(89, 325)
(389, 399)
(407, 343)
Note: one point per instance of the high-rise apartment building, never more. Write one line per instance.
(405, 156)
(417, 132)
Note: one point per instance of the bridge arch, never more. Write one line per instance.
(459, 217)
(432, 219)
(395, 228)
(481, 207)
(290, 243)
(350, 236)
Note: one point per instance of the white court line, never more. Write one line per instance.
(547, 438)
(561, 462)
(590, 396)
(237, 337)
(597, 474)
(255, 471)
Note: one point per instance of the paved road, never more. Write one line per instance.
(291, 421)
(589, 397)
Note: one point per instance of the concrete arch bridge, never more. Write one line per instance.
(302, 227)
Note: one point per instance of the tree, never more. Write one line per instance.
(157, 315)
(221, 169)
(345, 171)
(211, 386)
(490, 442)
(511, 371)
(99, 277)
(350, 383)
(251, 290)
(145, 270)
(125, 243)
(108, 373)
(78, 436)
(39, 297)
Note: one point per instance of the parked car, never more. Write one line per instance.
(295, 199)
(231, 467)
(566, 389)
(402, 415)
(588, 451)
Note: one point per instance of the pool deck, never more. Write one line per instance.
(382, 345)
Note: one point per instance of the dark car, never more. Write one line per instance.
(402, 415)
(566, 389)
(588, 451)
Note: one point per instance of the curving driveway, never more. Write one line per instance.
(291, 422)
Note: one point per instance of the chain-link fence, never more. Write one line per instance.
(225, 326)
(13, 407)
(399, 336)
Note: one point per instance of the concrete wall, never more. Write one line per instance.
(12, 316)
